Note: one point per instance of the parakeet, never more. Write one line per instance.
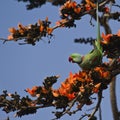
(94, 57)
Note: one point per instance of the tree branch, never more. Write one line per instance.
(97, 106)
(114, 100)
(113, 83)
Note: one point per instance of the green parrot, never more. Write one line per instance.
(94, 57)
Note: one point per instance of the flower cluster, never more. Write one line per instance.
(82, 84)
(89, 5)
(72, 85)
(69, 12)
(13, 102)
(111, 44)
(31, 33)
(72, 10)
(85, 82)
(77, 88)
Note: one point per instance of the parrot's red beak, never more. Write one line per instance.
(70, 59)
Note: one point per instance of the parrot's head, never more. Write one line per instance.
(75, 58)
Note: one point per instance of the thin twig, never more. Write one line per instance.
(97, 106)
(85, 115)
(33, 107)
(72, 103)
(4, 40)
(15, 39)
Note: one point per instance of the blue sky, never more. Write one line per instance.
(24, 66)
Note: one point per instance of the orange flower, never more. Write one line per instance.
(90, 3)
(106, 9)
(67, 5)
(103, 72)
(106, 38)
(10, 37)
(77, 10)
(87, 7)
(73, 4)
(99, 69)
(20, 26)
(79, 77)
(55, 93)
(62, 92)
(49, 31)
(61, 22)
(96, 88)
(71, 78)
(106, 75)
(66, 88)
(32, 91)
(65, 85)
(71, 96)
(41, 28)
(12, 30)
(84, 77)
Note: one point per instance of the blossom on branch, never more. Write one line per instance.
(77, 89)
(31, 33)
(80, 85)
(111, 44)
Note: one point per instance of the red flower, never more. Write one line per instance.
(106, 38)
(91, 4)
(96, 88)
(71, 96)
(32, 91)
(106, 10)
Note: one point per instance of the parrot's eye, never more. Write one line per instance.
(70, 59)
